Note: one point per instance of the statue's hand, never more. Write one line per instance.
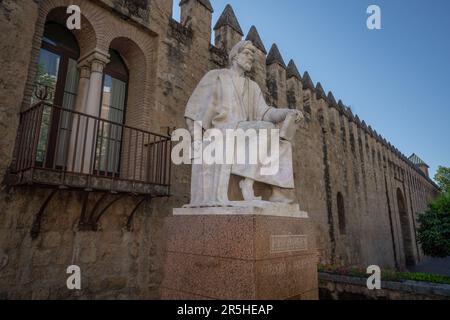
(298, 115)
(275, 115)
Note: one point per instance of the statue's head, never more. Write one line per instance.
(243, 55)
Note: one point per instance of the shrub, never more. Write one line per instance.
(386, 275)
(434, 230)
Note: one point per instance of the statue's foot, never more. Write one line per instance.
(248, 193)
(280, 195)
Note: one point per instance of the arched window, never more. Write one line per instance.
(113, 106)
(341, 212)
(58, 73)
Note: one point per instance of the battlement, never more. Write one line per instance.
(283, 84)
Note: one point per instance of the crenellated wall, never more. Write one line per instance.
(355, 161)
(380, 191)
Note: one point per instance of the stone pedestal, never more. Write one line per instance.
(243, 252)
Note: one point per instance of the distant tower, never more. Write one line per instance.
(308, 91)
(276, 77)
(420, 164)
(258, 73)
(294, 87)
(332, 100)
(197, 14)
(292, 71)
(254, 37)
(320, 93)
(228, 32)
(321, 102)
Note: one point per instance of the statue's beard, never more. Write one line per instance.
(247, 67)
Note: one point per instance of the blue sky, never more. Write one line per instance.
(396, 79)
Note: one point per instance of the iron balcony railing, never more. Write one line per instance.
(69, 143)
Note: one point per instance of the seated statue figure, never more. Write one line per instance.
(227, 99)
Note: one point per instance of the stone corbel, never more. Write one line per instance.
(96, 60)
(85, 70)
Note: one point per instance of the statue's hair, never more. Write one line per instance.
(238, 48)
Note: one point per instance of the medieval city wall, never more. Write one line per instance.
(335, 152)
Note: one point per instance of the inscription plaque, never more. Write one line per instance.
(288, 243)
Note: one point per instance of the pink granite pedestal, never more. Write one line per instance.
(239, 255)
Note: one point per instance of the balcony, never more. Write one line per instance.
(65, 149)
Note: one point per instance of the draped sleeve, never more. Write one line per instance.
(204, 102)
(260, 106)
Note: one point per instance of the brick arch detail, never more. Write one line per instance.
(100, 31)
(92, 29)
(138, 49)
(140, 78)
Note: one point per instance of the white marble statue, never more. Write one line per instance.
(227, 99)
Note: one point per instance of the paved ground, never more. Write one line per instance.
(433, 265)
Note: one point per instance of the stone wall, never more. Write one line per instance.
(17, 19)
(115, 262)
(334, 152)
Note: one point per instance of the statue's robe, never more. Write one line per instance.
(224, 100)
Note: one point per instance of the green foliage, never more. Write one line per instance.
(425, 277)
(434, 230)
(386, 274)
(442, 178)
(45, 79)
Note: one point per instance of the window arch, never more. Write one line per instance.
(58, 74)
(113, 109)
(341, 213)
(115, 86)
(57, 67)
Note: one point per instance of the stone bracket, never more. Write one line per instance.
(36, 226)
(89, 222)
(129, 226)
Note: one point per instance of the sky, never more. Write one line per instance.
(397, 79)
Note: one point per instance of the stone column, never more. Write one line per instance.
(83, 86)
(97, 61)
(84, 129)
(76, 138)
